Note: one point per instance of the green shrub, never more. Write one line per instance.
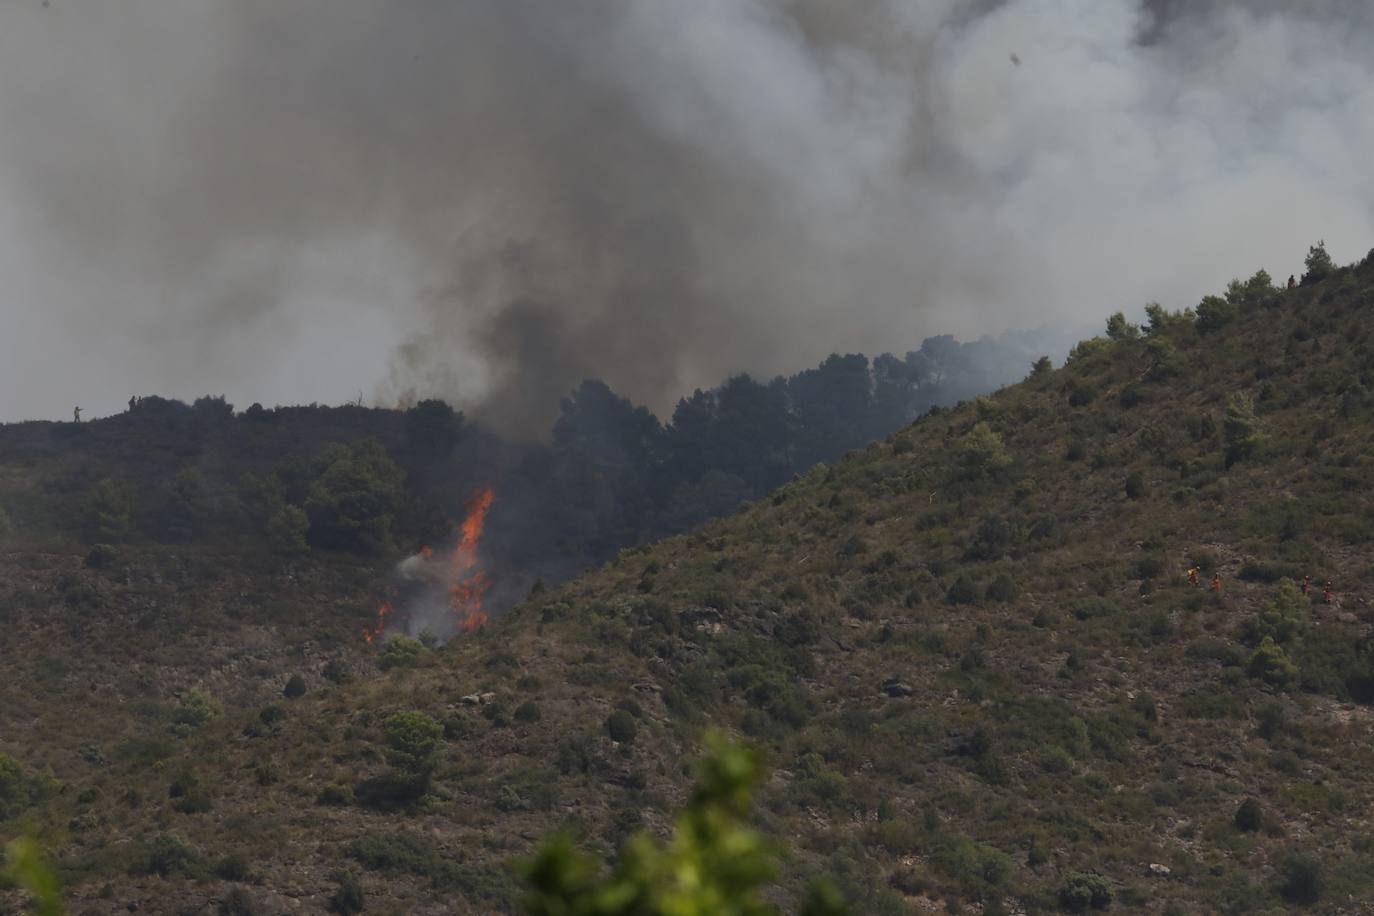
(166, 855)
(335, 795)
(295, 687)
(620, 725)
(401, 651)
(1135, 485)
(238, 902)
(1131, 396)
(527, 711)
(1083, 891)
(287, 530)
(101, 556)
(107, 511)
(14, 789)
(1241, 429)
(1301, 879)
(1271, 664)
(195, 709)
(992, 540)
(1282, 619)
(1081, 394)
(414, 742)
(978, 868)
(1002, 588)
(348, 898)
(1249, 817)
(981, 451)
(963, 591)
(232, 868)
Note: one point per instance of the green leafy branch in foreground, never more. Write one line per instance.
(714, 864)
(27, 867)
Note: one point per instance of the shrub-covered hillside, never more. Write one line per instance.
(971, 651)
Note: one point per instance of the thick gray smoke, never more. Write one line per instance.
(491, 199)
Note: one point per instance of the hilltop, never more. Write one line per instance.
(970, 649)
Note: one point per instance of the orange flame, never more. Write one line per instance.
(375, 633)
(468, 583)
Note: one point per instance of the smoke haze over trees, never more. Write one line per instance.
(368, 482)
(490, 201)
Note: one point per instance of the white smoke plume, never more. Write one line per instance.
(489, 200)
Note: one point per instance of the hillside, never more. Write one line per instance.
(971, 651)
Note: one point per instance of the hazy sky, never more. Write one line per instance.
(491, 199)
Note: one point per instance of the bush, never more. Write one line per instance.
(107, 511)
(1082, 891)
(232, 868)
(237, 902)
(992, 541)
(1282, 619)
(335, 795)
(165, 855)
(527, 711)
(101, 556)
(401, 651)
(1002, 588)
(963, 591)
(295, 687)
(1135, 485)
(1081, 394)
(196, 708)
(981, 451)
(1249, 817)
(414, 741)
(620, 725)
(1240, 429)
(287, 530)
(978, 868)
(1271, 664)
(348, 898)
(14, 791)
(1301, 879)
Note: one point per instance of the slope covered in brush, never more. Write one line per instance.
(971, 651)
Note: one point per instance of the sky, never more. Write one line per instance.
(490, 200)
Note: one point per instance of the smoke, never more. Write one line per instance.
(490, 200)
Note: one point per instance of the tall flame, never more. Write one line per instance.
(376, 632)
(469, 583)
(466, 582)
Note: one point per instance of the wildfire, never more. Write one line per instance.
(469, 583)
(464, 579)
(376, 632)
